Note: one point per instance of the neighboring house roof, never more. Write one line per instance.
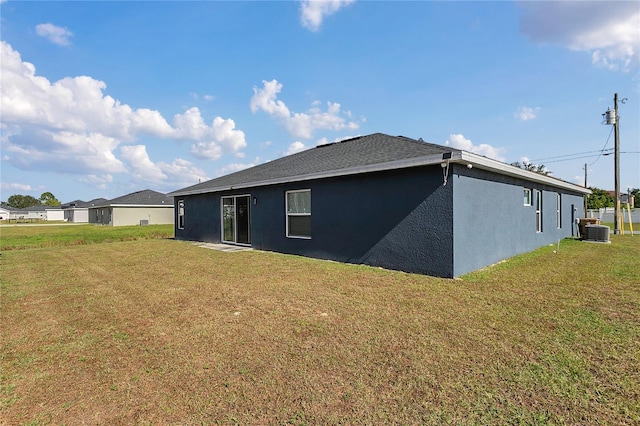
(36, 208)
(145, 197)
(363, 154)
(71, 204)
(79, 204)
(9, 208)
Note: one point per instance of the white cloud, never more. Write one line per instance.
(12, 186)
(97, 181)
(54, 34)
(140, 164)
(236, 167)
(181, 173)
(206, 150)
(324, 141)
(313, 12)
(178, 173)
(265, 99)
(460, 142)
(608, 30)
(61, 151)
(295, 147)
(526, 113)
(212, 140)
(205, 97)
(301, 125)
(71, 126)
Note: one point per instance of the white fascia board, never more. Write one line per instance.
(139, 205)
(391, 165)
(130, 205)
(506, 169)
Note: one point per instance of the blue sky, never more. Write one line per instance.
(100, 99)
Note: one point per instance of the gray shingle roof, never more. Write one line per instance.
(145, 197)
(362, 151)
(84, 204)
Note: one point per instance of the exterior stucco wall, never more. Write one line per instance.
(492, 223)
(55, 214)
(77, 215)
(402, 219)
(100, 215)
(399, 219)
(201, 219)
(128, 215)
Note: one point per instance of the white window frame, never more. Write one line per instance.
(286, 211)
(559, 211)
(538, 201)
(180, 224)
(528, 199)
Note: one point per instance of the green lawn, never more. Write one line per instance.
(163, 332)
(14, 237)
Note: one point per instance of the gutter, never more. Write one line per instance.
(507, 169)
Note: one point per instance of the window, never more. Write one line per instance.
(527, 197)
(298, 206)
(181, 214)
(538, 210)
(559, 212)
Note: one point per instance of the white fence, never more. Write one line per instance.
(606, 215)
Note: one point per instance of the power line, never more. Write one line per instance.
(577, 158)
(603, 148)
(578, 155)
(592, 155)
(572, 155)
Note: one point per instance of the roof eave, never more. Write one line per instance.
(131, 205)
(391, 165)
(460, 157)
(506, 169)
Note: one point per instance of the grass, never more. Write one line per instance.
(627, 228)
(163, 332)
(32, 236)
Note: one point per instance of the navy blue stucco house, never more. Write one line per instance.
(385, 201)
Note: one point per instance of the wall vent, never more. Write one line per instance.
(144, 222)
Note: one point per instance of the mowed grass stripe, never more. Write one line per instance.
(20, 237)
(161, 332)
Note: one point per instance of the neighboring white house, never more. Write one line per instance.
(30, 213)
(5, 213)
(78, 211)
(145, 207)
(53, 213)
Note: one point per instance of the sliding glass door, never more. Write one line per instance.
(236, 219)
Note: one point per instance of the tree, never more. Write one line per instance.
(22, 201)
(48, 199)
(599, 198)
(538, 168)
(635, 192)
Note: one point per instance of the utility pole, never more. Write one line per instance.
(616, 137)
(585, 185)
